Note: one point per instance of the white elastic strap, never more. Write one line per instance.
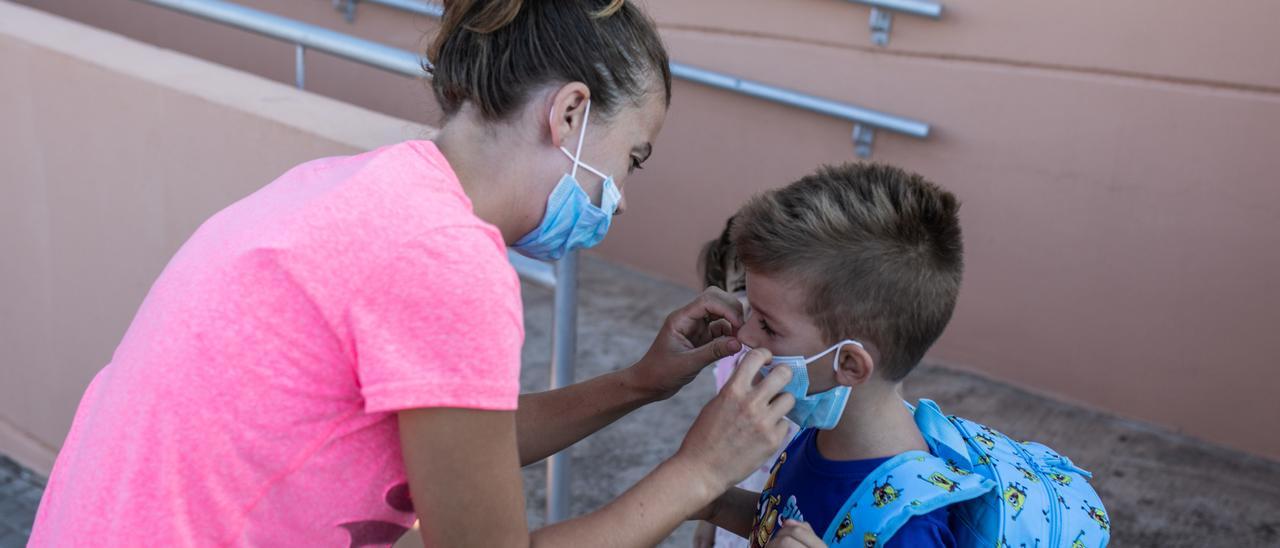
(835, 364)
(583, 164)
(551, 119)
(577, 156)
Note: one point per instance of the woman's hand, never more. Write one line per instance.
(741, 427)
(796, 534)
(691, 338)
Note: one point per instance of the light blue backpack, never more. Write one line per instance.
(1001, 492)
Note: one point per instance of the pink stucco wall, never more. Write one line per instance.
(1117, 164)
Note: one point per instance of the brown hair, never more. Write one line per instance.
(877, 249)
(718, 262)
(493, 53)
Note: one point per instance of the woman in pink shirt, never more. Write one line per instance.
(338, 353)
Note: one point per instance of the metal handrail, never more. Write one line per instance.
(915, 7)
(413, 6)
(846, 111)
(302, 34)
(922, 8)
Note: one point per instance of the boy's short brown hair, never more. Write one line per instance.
(878, 250)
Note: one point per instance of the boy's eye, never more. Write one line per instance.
(765, 326)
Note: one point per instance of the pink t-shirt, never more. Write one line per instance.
(253, 399)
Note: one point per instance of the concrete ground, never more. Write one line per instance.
(19, 496)
(1161, 489)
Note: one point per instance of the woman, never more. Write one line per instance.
(338, 353)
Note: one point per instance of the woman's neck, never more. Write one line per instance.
(489, 171)
(875, 424)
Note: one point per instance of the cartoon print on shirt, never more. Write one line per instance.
(773, 474)
(791, 511)
(766, 521)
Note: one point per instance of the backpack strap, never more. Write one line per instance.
(943, 437)
(911, 484)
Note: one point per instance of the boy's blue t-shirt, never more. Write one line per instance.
(805, 486)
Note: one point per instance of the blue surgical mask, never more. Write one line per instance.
(571, 220)
(822, 410)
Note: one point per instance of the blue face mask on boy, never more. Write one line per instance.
(822, 410)
(571, 220)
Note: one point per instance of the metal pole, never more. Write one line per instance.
(914, 7)
(564, 343)
(412, 6)
(760, 90)
(300, 66)
(310, 36)
(847, 111)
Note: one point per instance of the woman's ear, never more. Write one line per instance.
(568, 110)
(854, 365)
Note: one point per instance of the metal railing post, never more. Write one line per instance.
(881, 20)
(564, 348)
(300, 66)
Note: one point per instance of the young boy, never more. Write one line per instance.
(852, 273)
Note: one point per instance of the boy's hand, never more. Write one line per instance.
(796, 534)
(691, 338)
(739, 428)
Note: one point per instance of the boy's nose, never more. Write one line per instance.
(749, 335)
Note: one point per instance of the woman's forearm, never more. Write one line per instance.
(547, 422)
(691, 338)
(643, 516)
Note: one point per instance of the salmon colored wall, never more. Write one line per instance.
(1116, 162)
(1121, 229)
(111, 153)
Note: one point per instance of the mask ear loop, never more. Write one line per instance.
(835, 365)
(577, 157)
(837, 347)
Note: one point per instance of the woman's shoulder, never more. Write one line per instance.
(389, 216)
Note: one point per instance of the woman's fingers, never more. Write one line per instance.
(744, 374)
(767, 390)
(739, 428)
(720, 328)
(692, 320)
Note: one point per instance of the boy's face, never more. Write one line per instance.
(777, 321)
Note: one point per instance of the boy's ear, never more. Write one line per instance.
(855, 365)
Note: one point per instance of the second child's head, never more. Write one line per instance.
(866, 252)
